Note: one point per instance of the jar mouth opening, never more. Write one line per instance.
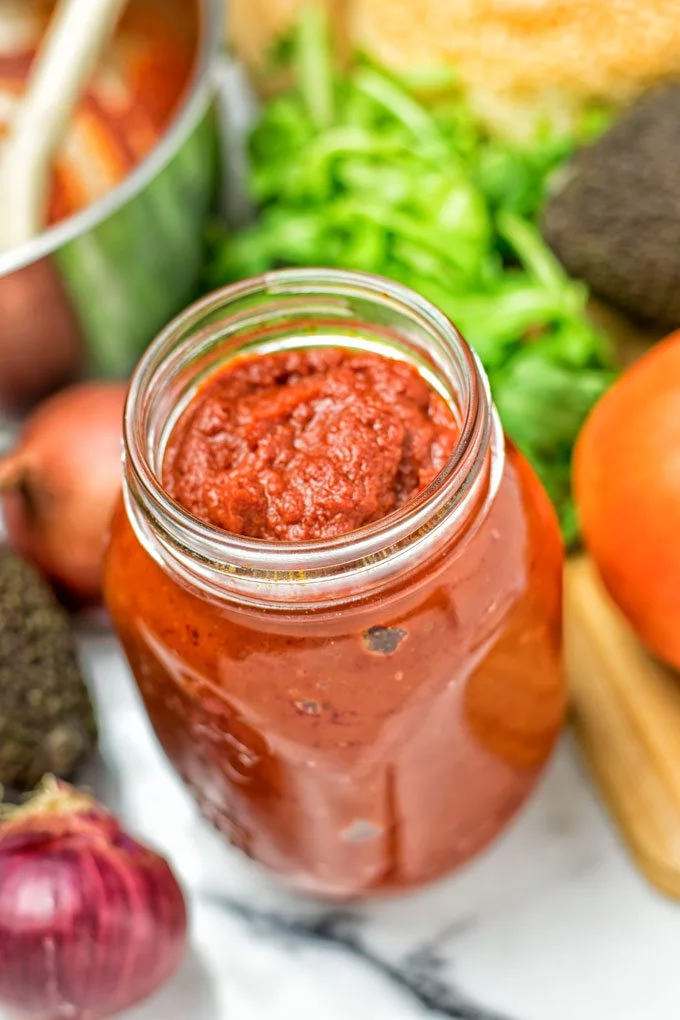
(456, 372)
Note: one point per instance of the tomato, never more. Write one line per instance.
(627, 486)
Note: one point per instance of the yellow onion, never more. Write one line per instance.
(60, 484)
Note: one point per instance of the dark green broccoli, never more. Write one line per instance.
(615, 220)
(46, 719)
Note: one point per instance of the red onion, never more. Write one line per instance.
(91, 922)
(61, 483)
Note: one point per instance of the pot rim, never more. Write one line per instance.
(145, 172)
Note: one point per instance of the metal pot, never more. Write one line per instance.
(87, 295)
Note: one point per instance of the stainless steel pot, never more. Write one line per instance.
(93, 290)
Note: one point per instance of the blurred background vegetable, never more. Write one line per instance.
(91, 921)
(614, 220)
(47, 722)
(351, 170)
(627, 484)
(61, 482)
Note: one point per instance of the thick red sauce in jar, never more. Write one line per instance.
(308, 444)
(372, 745)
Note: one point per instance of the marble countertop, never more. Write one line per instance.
(552, 923)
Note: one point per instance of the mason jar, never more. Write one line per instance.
(363, 713)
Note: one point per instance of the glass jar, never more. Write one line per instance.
(363, 713)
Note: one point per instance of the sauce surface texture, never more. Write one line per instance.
(307, 444)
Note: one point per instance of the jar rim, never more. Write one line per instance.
(291, 567)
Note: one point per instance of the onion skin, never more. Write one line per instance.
(61, 484)
(91, 922)
(41, 346)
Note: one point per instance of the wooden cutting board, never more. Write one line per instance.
(626, 716)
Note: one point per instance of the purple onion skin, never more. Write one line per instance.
(91, 922)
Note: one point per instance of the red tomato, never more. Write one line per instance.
(627, 486)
